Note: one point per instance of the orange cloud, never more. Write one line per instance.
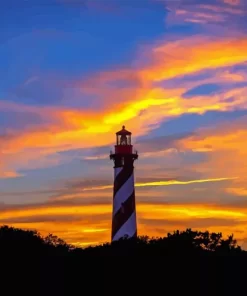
(9, 174)
(227, 143)
(237, 191)
(201, 53)
(225, 137)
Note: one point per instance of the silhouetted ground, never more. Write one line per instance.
(183, 263)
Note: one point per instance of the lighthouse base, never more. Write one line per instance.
(128, 230)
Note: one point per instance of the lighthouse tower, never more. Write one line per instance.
(124, 209)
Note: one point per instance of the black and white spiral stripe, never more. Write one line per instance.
(124, 210)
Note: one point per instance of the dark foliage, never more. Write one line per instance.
(183, 263)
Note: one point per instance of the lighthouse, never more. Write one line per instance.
(124, 207)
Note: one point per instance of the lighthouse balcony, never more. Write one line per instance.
(124, 149)
(124, 154)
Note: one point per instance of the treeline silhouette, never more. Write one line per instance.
(182, 263)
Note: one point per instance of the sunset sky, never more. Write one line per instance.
(173, 72)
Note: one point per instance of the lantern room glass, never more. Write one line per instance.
(123, 139)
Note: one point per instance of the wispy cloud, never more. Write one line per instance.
(228, 13)
(9, 174)
(138, 184)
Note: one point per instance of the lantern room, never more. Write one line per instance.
(123, 153)
(123, 137)
(123, 142)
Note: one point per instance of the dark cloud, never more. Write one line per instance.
(21, 121)
(232, 201)
(2, 205)
(151, 179)
(38, 93)
(79, 219)
(82, 199)
(161, 143)
(98, 155)
(185, 126)
(75, 153)
(53, 204)
(28, 193)
(74, 187)
(191, 223)
(101, 150)
(75, 184)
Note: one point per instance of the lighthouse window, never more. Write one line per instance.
(123, 140)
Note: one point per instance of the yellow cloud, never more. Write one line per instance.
(44, 211)
(177, 182)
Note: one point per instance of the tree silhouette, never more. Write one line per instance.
(183, 262)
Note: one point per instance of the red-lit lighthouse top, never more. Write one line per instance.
(123, 142)
(123, 147)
